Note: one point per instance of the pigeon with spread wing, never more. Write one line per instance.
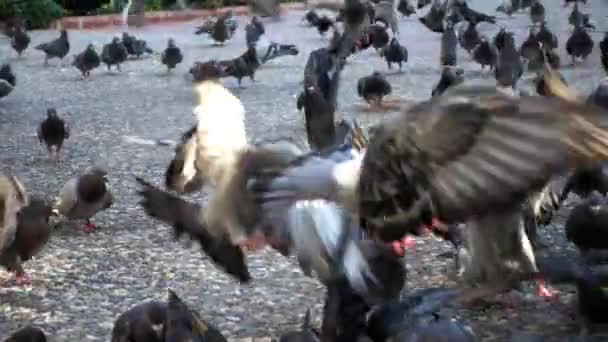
(24, 226)
(215, 153)
(472, 153)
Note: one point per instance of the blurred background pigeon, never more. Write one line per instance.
(53, 131)
(8, 81)
(20, 40)
(87, 61)
(57, 48)
(172, 55)
(114, 53)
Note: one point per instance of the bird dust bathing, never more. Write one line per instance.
(469, 205)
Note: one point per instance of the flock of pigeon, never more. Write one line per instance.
(477, 166)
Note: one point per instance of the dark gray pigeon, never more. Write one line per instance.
(254, 30)
(57, 48)
(485, 54)
(28, 334)
(577, 18)
(600, 95)
(8, 81)
(172, 55)
(221, 31)
(87, 61)
(373, 88)
(509, 67)
(141, 323)
(20, 40)
(449, 42)
(135, 47)
(84, 196)
(114, 53)
(469, 38)
(394, 53)
(185, 324)
(580, 44)
(53, 131)
(537, 12)
(450, 76)
(24, 226)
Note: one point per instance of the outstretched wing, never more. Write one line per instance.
(12, 198)
(471, 151)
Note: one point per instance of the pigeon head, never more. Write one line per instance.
(5, 68)
(182, 324)
(64, 34)
(115, 40)
(51, 113)
(179, 176)
(171, 42)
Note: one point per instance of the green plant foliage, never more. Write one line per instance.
(37, 13)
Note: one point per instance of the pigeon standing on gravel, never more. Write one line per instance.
(141, 323)
(135, 47)
(87, 61)
(450, 76)
(185, 324)
(53, 131)
(469, 38)
(587, 224)
(603, 52)
(20, 40)
(509, 67)
(599, 96)
(24, 226)
(485, 54)
(394, 53)
(373, 88)
(537, 12)
(254, 30)
(580, 44)
(114, 53)
(172, 55)
(221, 32)
(449, 43)
(57, 48)
(244, 65)
(28, 334)
(8, 81)
(84, 196)
(311, 18)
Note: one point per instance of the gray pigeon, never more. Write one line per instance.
(141, 323)
(469, 38)
(24, 226)
(509, 67)
(172, 55)
(114, 54)
(28, 334)
(57, 48)
(600, 95)
(53, 131)
(7, 80)
(20, 40)
(84, 196)
(449, 42)
(87, 61)
(185, 324)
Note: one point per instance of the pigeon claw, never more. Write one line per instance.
(543, 292)
(89, 227)
(21, 278)
(254, 243)
(400, 246)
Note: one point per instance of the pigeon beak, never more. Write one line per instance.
(54, 212)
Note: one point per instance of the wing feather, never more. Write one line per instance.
(474, 150)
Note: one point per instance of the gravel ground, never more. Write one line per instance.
(82, 282)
